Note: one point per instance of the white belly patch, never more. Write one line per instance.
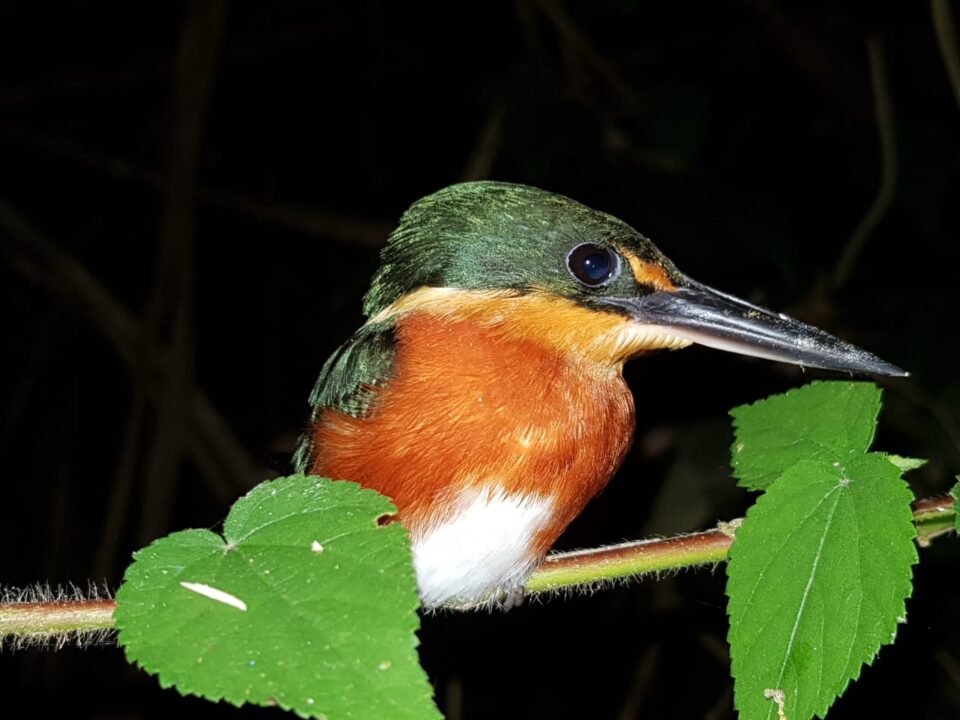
(484, 546)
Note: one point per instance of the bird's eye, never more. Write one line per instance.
(593, 265)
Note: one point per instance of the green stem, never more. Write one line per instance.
(933, 517)
(583, 568)
(58, 622)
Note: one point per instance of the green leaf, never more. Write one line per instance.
(827, 420)
(306, 603)
(818, 578)
(906, 464)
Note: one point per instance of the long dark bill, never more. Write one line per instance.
(709, 317)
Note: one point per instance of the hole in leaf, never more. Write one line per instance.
(387, 519)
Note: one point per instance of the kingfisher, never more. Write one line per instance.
(484, 394)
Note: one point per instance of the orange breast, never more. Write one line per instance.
(475, 405)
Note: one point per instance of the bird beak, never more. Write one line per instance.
(702, 315)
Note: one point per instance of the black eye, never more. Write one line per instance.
(593, 265)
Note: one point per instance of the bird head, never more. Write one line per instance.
(506, 245)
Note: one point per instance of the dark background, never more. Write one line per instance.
(192, 198)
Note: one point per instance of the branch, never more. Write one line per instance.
(576, 42)
(56, 622)
(588, 568)
(342, 228)
(825, 64)
(42, 617)
(480, 163)
(53, 623)
(585, 568)
(169, 319)
(947, 41)
(883, 110)
(52, 268)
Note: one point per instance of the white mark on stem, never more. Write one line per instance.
(214, 594)
(316, 547)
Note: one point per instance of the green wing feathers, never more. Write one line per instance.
(348, 379)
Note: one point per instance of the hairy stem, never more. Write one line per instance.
(634, 559)
(933, 517)
(56, 622)
(57, 617)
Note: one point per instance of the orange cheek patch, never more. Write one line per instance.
(649, 274)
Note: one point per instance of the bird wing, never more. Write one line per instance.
(348, 380)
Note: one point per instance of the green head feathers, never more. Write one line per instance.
(494, 235)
